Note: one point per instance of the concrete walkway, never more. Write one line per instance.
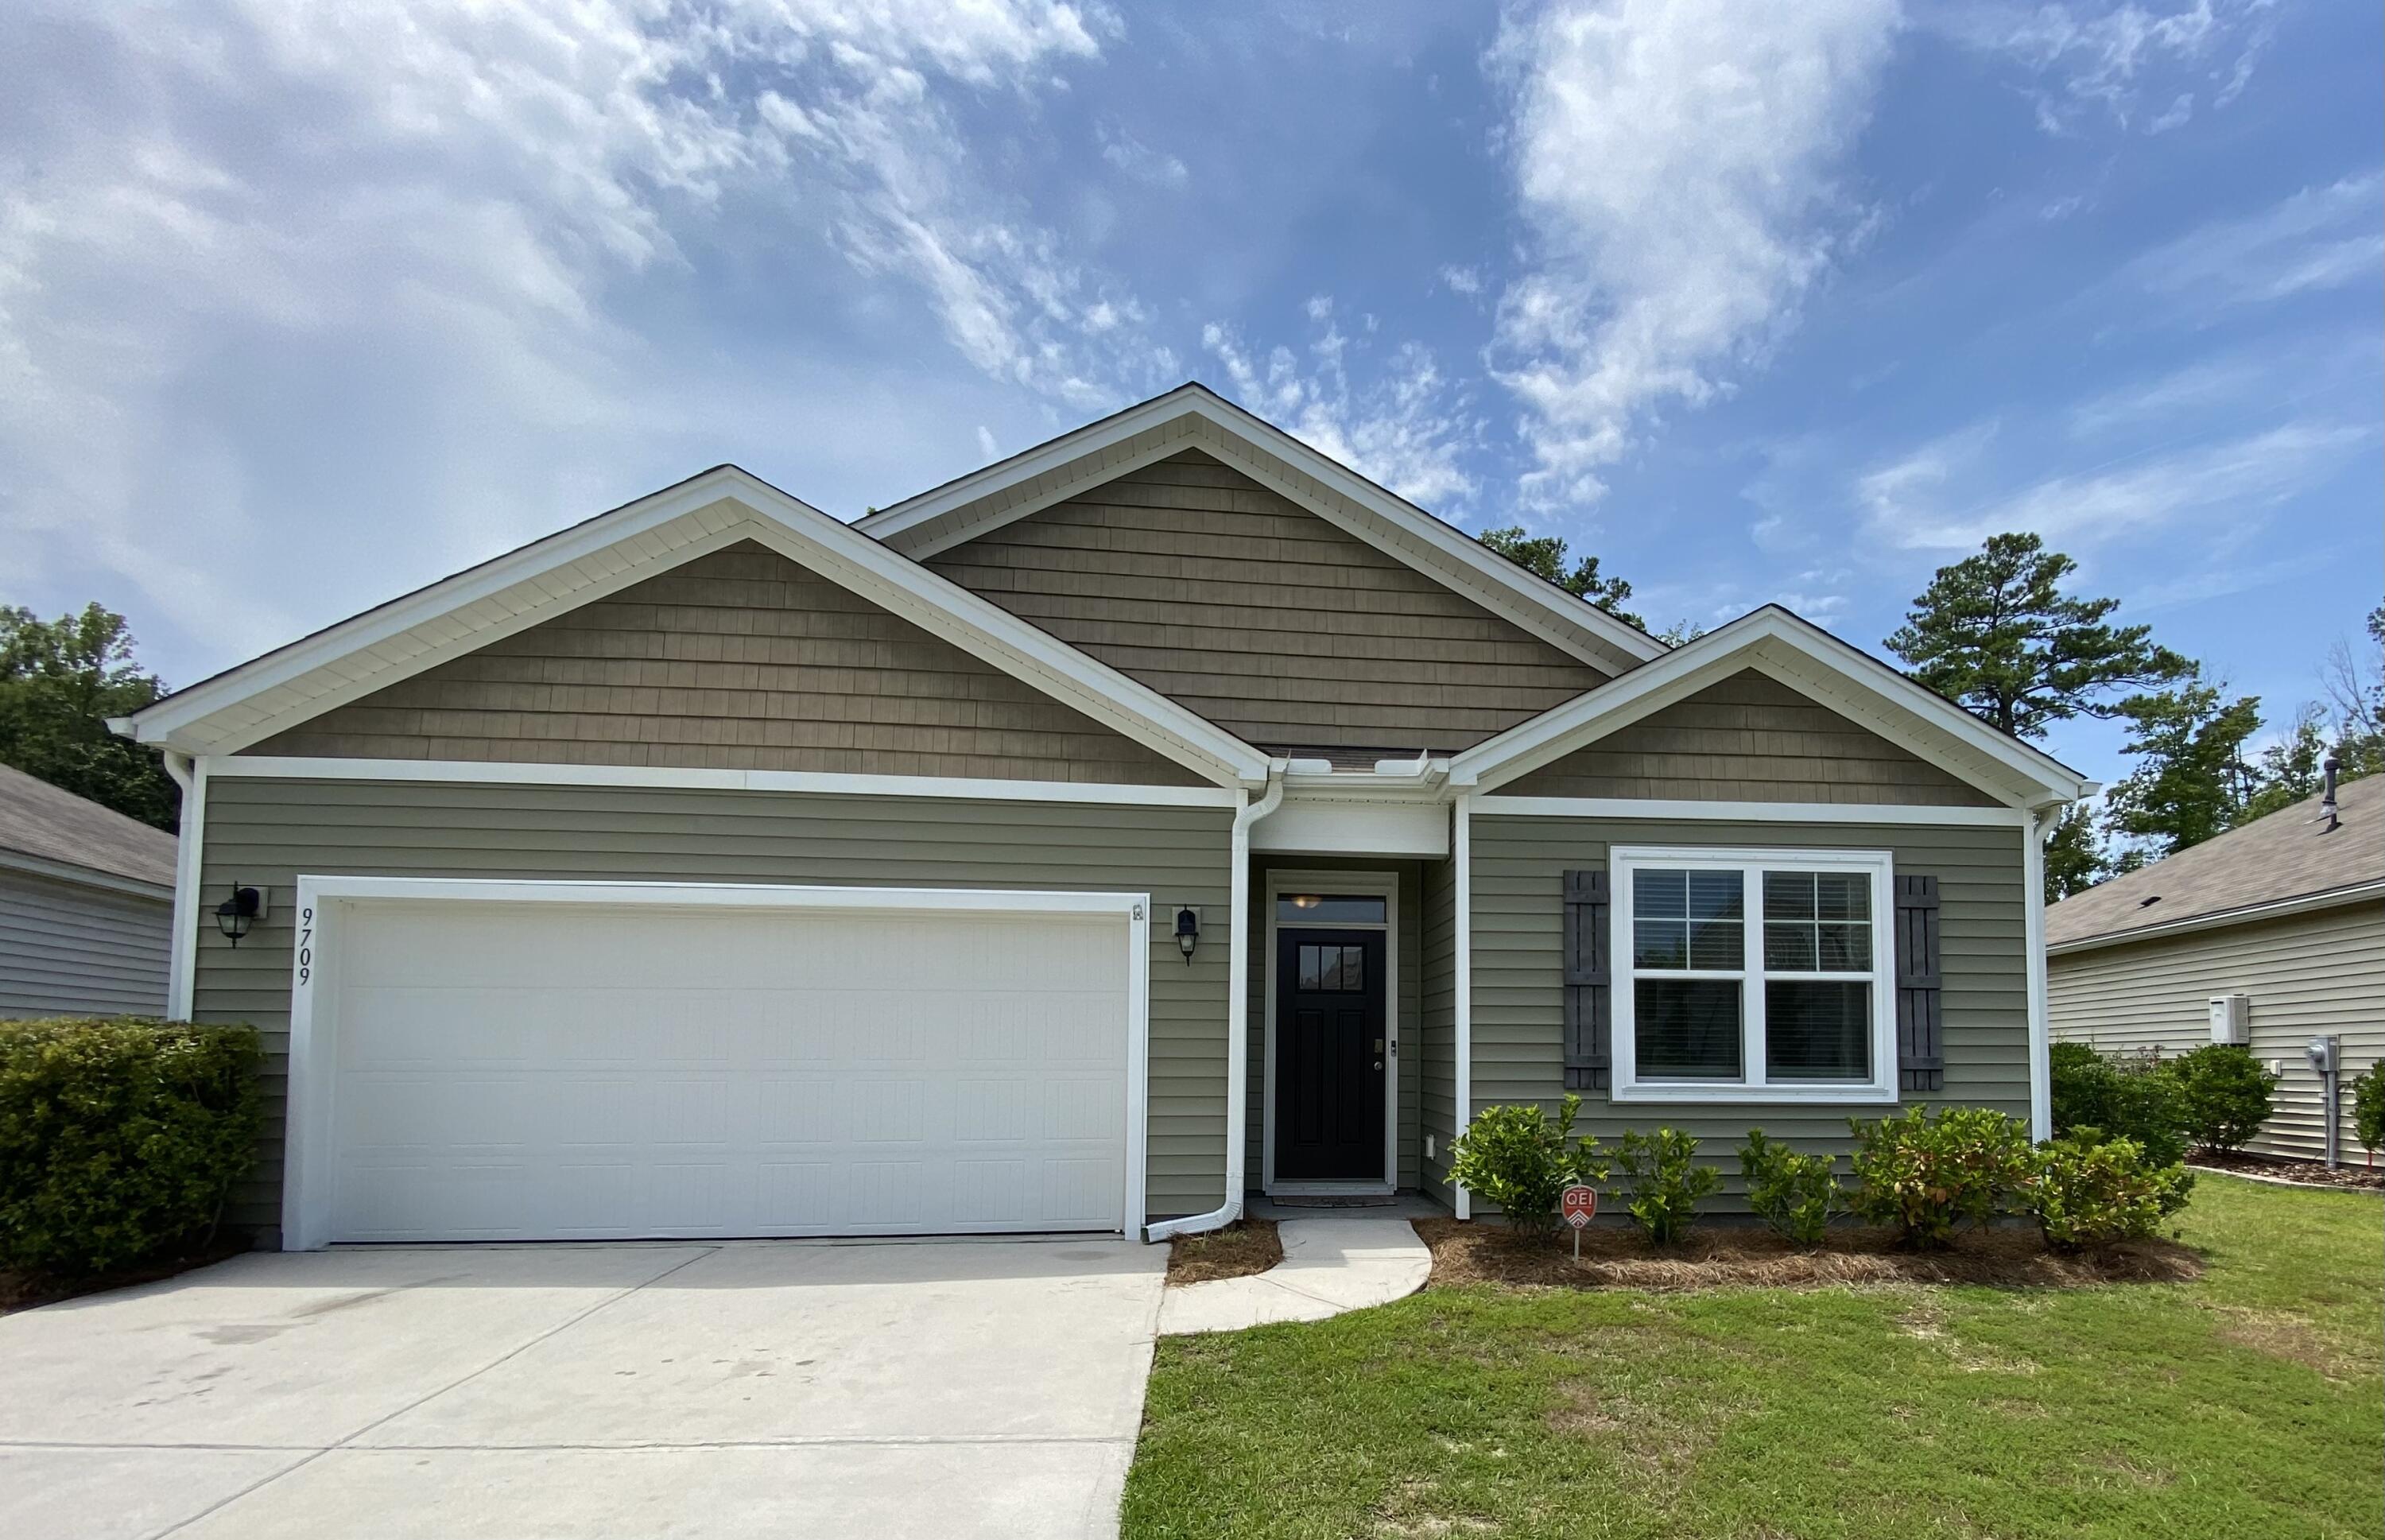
(942, 1391)
(1333, 1260)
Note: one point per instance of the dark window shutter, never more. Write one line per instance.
(1588, 997)
(1920, 1030)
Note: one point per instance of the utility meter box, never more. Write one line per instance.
(2231, 1019)
(2324, 1053)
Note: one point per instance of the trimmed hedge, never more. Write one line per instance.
(119, 1138)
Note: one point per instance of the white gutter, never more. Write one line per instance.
(1462, 852)
(2041, 1038)
(1237, 1035)
(183, 954)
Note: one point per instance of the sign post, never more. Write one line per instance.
(1579, 1205)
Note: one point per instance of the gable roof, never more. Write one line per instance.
(55, 828)
(600, 556)
(1810, 660)
(2290, 857)
(1193, 416)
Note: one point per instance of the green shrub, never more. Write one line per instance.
(2089, 1191)
(2224, 1095)
(1796, 1194)
(119, 1138)
(1661, 1183)
(1523, 1161)
(1925, 1174)
(2368, 1107)
(2127, 1096)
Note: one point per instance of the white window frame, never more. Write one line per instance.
(1624, 863)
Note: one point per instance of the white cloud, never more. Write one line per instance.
(1141, 162)
(2318, 238)
(1943, 497)
(1675, 163)
(1462, 281)
(266, 245)
(1408, 431)
(2087, 60)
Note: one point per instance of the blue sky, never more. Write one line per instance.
(302, 306)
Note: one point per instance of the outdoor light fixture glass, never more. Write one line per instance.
(237, 913)
(1188, 932)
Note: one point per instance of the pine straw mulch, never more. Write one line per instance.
(2302, 1173)
(1719, 1255)
(1243, 1247)
(24, 1291)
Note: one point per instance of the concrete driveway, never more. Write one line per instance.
(942, 1389)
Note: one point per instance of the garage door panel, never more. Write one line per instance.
(527, 1070)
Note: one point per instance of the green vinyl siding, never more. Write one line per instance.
(265, 833)
(1518, 1006)
(1437, 1044)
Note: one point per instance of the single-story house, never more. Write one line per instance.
(2286, 915)
(1161, 815)
(86, 905)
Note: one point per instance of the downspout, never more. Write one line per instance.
(1462, 985)
(2034, 834)
(183, 954)
(1237, 1036)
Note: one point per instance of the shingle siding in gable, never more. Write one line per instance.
(740, 659)
(1266, 619)
(1749, 738)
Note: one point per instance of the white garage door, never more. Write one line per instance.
(530, 1070)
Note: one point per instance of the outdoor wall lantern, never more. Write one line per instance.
(1187, 933)
(237, 913)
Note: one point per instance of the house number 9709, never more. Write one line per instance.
(305, 944)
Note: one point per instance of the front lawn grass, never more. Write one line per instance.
(2250, 1402)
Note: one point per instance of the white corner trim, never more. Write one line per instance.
(2040, 1034)
(183, 950)
(1744, 643)
(818, 784)
(1462, 987)
(323, 902)
(1374, 884)
(2212, 919)
(1489, 804)
(1624, 863)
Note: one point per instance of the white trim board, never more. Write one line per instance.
(1192, 415)
(2213, 919)
(324, 901)
(819, 783)
(1632, 808)
(1808, 659)
(1372, 884)
(548, 577)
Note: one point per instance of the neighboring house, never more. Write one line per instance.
(2289, 910)
(1162, 814)
(86, 905)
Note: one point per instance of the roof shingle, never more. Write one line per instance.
(37, 819)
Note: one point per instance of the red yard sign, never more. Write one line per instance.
(1579, 1205)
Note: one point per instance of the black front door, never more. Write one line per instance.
(1328, 1055)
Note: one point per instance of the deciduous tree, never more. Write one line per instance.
(60, 683)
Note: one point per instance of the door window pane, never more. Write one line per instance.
(1331, 970)
(1686, 1028)
(1330, 909)
(1816, 1029)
